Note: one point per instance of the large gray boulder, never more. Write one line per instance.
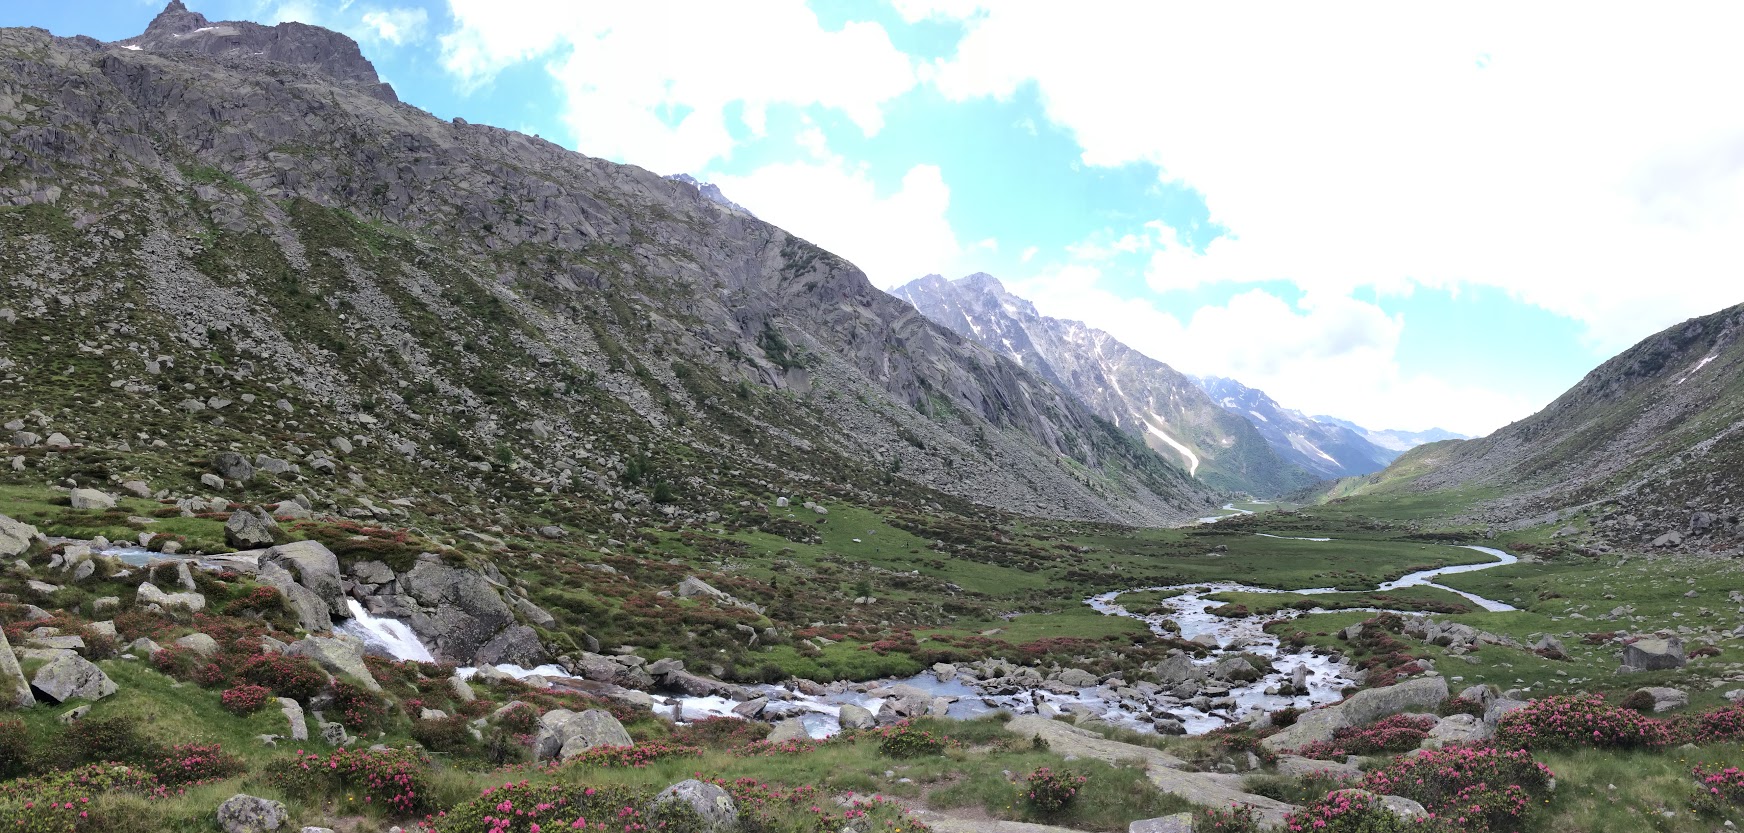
(516, 645)
(314, 567)
(563, 734)
(250, 529)
(91, 499)
(14, 689)
(314, 614)
(463, 611)
(1458, 728)
(15, 537)
(340, 655)
(1422, 694)
(149, 594)
(71, 677)
(243, 813)
(1666, 699)
(232, 466)
(1177, 823)
(790, 729)
(856, 717)
(711, 803)
(200, 643)
(1654, 655)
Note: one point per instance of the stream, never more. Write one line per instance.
(1220, 704)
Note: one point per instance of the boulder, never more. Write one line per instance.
(516, 645)
(464, 612)
(1665, 699)
(787, 730)
(1236, 669)
(149, 594)
(1654, 655)
(1177, 823)
(1551, 648)
(1077, 678)
(314, 614)
(711, 803)
(293, 712)
(1458, 728)
(316, 568)
(91, 499)
(71, 677)
(532, 613)
(1422, 694)
(1296, 766)
(232, 466)
(200, 643)
(14, 689)
(243, 813)
(249, 529)
(15, 537)
(856, 717)
(340, 655)
(563, 734)
(1499, 708)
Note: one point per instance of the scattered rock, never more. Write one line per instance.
(1665, 699)
(1654, 655)
(91, 499)
(232, 466)
(14, 689)
(71, 677)
(341, 654)
(711, 803)
(563, 734)
(243, 813)
(149, 594)
(15, 537)
(250, 529)
(1177, 823)
(856, 717)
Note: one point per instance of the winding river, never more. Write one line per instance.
(1188, 610)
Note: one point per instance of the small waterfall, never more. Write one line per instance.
(389, 636)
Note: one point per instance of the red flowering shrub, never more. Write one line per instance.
(1049, 792)
(1237, 819)
(60, 802)
(905, 741)
(244, 699)
(258, 600)
(358, 708)
(522, 718)
(1398, 733)
(393, 778)
(1718, 791)
(1488, 788)
(631, 757)
(1347, 811)
(295, 677)
(1718, 726)
(720, 732)
(190, 764)
(1579, 720)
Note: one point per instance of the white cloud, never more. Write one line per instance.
(895, 238)
(650, 82)
(1588, 161)
(1327, 354)
(396, 26)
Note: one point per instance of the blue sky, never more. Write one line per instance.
(1398, 216)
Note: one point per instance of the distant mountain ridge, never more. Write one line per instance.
(1328, 449)
(1394, 440)
(1137, 393)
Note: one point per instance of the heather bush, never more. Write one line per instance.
(1237, 819)
(1579, 720)
(358, 708)
(109, 739)
(60, 802)
(244, 699)
(1049, 792)
(1640, 701)
(295, 677)
(1721, 725)
(1398, 733)
(1719, 791)
(905, 741)
(450, 735)
(189, 764)
(394, 779)
(1460, 705)
(1491, 789)
(720, 732)
(1347, 811)
(631, 757)
(522, 808)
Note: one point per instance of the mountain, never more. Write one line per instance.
(1646, 451)
(1327, 450)
(1392, 439)
(1138, 394)
(228, 237)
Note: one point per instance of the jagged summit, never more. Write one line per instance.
(179, 29)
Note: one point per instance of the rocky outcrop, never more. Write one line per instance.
(340, 655)
(149, 594)
(332, 54)
(91, 499)
(1422, 694)
(16, 537)
(315, 567)
(14, 689)
(458, 612)
(249, 529)
(563, 734)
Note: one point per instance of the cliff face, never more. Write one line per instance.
(210, 210)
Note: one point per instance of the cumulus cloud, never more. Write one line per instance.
(1585, 162)
(396, 26)
(650, 83)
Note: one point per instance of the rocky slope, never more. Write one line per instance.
(230, 236)
(1141, 395)
(1646, 451)
(1327, 450)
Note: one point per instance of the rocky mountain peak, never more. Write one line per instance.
(334, 55)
